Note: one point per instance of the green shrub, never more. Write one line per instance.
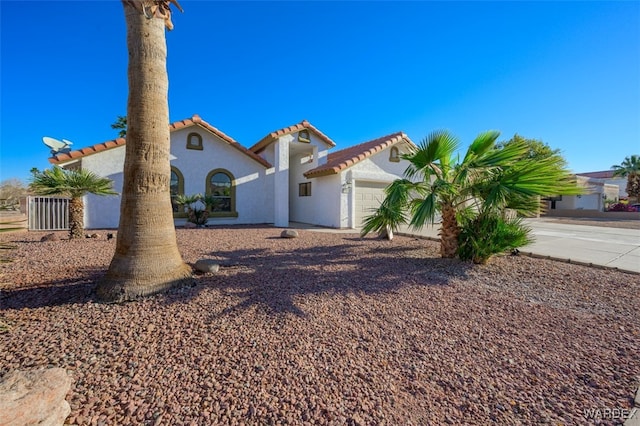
(196, 206)
(489, 234)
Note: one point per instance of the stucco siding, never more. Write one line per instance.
(104, 212)
(254, 183)
(253, 192)
(311, 209)
(262, 195)
(323, 206)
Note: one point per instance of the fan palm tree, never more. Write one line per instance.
(74, 184)
(146, 259)
(487, 181)
(630, 168)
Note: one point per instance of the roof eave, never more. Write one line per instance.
(320, 173)
(195, 120)
(349, 162)
(263, 143)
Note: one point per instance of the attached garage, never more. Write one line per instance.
(368, 196)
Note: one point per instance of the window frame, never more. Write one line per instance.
(303, 136)
(180, 176)
(191, 145)
(232, 193)
(304, 189)
(394, 154)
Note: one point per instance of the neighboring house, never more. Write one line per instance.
(598, 193)
(607, 177)
(289, 175)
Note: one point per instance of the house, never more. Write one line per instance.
(598, 193)
(292, 174)
(607, 177)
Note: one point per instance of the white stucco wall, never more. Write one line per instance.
(104, 212)
(622, 186)
(323, 206)
(254, 183)
(333, 196)
(311, 209)
(376, 168)
(379, 164)
(254, 187)
(331, 203)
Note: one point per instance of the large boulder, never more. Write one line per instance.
(34, 398)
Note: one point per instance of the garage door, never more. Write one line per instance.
(369, 195)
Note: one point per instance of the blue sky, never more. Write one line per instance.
(567, 73)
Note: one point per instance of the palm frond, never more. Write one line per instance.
(433, 156)
(483, 143)
(382, 218)
(392, 211)
(424, 210)
(630, 165)
(71, 183)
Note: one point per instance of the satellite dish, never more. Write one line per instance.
(56, 145)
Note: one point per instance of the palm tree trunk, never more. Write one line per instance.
(76, 218)
(146, 259)
(449, 231)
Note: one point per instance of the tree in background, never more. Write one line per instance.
(470, 193)
(11, 190)
(535, 148)
(146, 259)
(120, 125)
(630, 168)
(74, 184)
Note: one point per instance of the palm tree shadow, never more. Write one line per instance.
(78, 289)
(274, 281)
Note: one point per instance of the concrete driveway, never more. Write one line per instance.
(599, 245)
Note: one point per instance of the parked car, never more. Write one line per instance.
(636, 206)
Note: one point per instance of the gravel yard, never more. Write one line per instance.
(326, 328)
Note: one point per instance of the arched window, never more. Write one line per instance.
(221, 190)
(303, 136)
(176, 187)
(394, 154)
(194, 141)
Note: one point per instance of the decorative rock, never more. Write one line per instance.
(289, 233)
(35, 397)
(190, 225)
(95, 235)
(49, 237)
(207, 265)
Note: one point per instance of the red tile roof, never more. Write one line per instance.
(83, 152)
(598, 175)
(193, 121)
(271, 137)
(345, 158)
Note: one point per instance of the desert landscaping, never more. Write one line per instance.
(326, 328)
